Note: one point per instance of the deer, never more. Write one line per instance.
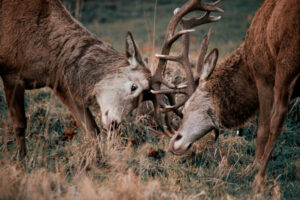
(42, 45)
(261, 75)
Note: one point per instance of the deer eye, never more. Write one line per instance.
(133, 87)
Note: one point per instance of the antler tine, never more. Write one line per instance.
(174, 107)
(205, 19)
(158, 119)
(170, 91)
(211, 6)
(170, 38)
(179, 34)
(178, 15)
(215, 3)
(199, 65)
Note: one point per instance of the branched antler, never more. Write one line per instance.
(187, 26)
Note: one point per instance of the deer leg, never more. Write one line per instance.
(265, 96)
(82, 114)
(282, 94)
(14, 93)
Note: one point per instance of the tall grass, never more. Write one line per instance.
(134, 163)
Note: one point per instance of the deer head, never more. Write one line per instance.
(119, 92)
(198, 112)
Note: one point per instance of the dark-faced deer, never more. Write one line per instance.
(258, 76)
(41, 44)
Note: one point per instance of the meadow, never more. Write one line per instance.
(134, 162)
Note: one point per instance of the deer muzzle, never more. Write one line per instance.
(178, 145)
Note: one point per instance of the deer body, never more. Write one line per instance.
(260, 75)
(41, 44)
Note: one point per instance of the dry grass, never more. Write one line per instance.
(131, 164)
(135, 163)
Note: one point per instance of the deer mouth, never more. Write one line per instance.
(184, 148)
(111, 125)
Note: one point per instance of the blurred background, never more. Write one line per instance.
(148, 19)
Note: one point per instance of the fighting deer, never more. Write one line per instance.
(41, 45)
(261, 75)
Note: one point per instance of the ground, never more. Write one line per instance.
(62, 163)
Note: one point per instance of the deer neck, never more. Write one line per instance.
(233, 91)
(82, 75)
(78, 60)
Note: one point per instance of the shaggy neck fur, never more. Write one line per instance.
(89, 69)
(83, 59)
(51, 48)
(233, 91)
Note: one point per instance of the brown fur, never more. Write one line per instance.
(233, 91)
(61, 49)
(41, 44)
(261, 74)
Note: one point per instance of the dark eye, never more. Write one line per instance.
(133, 87)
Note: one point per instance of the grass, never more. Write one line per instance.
(63, 163)
(135, 162)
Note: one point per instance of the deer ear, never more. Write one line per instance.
(209, 64)
(132, 52)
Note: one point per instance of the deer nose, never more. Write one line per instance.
(178, 146)
(172, 144)
(114, 125)
(178, 137)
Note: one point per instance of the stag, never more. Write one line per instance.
(171, 37)
(261, 75)
(42, 45)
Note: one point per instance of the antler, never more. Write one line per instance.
(187, 26)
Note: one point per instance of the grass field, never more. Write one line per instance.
(111, 23)
(62, 163)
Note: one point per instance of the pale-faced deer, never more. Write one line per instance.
(41, 44)
(258, 76)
